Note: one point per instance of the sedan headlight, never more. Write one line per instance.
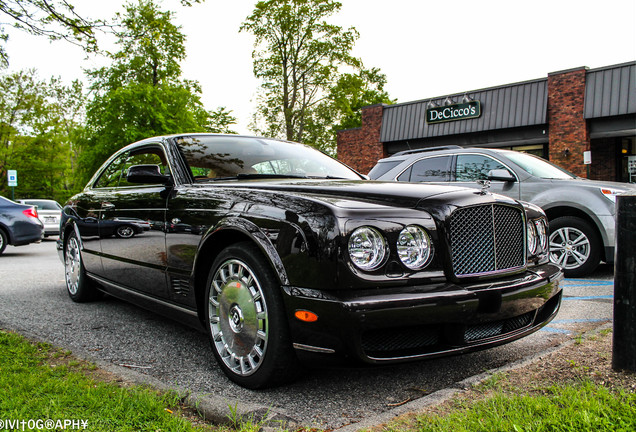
(542, 232)
(533, 238)
(414, 247)
(367, 248)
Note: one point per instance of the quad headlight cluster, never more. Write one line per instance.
(368, 248)
(537, 236)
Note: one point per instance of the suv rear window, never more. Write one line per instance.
(383, 167)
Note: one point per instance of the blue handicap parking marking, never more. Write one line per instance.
(587, 282)
(555, 330)
(589, 297)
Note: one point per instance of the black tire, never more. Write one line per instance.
(574, 245)
(79, 286)
(125, 231)
(4, 240)
(245, 319)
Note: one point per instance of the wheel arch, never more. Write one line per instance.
(555, 212)
(228, 232)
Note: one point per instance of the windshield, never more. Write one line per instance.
(538, 167)
(222, 157)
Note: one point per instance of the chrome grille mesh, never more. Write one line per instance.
(487, 239)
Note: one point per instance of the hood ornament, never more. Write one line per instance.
(485, 185)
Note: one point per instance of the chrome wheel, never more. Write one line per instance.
(125, 231)
(569, 247)
(238, 318)
(72, 265)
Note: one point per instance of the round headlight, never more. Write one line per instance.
(542, 231)
(533, 239)
(367, 248)
(414, 247)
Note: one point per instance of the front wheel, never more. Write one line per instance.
(245, 319)
(79, 286)
(574, 245)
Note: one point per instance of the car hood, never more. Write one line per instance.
(597, 183)
(353, 193)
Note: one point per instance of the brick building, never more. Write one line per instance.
(583, 120)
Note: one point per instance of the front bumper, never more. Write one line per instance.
(398, 324)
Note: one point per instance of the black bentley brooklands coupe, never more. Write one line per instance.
(284, 254)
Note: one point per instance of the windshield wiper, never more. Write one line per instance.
(268, 176)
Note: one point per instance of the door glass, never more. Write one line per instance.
(152, 156)
(110, 176)
(475, 167)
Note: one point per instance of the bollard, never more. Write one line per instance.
(624, 338)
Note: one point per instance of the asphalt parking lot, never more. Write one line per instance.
(145, 347)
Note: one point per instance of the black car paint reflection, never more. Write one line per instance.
(255, 240)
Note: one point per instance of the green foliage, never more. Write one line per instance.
(581, 407)
(49, 18)
(299, 57)
(39, 122)
(37, 384)
(55, 19)
(342, 109)
(142, 93)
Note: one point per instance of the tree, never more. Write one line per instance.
(142, 94)
(342, 108)
(297, 55)
(38, 124)
(55, 19)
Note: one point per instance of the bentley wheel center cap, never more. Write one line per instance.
(236, 318)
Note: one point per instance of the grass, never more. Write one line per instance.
(582, 407)
(574, 389)
(40, 382)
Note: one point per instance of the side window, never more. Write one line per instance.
(145, 156)
(115, 174)
(473, 167)
(433, 169)
(110, 176)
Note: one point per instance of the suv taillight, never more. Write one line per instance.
(31, 212)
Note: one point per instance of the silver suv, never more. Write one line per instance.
(581, 211)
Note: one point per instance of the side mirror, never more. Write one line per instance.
(148, 174)
(501, 175)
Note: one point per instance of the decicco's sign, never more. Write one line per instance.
(460, 111)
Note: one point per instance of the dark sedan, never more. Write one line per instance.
(284, 254)
(19, 224)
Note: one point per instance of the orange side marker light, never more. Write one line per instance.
(306, 316)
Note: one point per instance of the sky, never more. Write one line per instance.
(425, 48)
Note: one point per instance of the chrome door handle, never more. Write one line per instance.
(107, 205)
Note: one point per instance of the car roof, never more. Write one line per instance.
(407, 154)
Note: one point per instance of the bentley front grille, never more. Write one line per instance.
(487, 239)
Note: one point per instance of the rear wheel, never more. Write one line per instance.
(574, 245)
(79, 286)
(3, 241)
(245, 319)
